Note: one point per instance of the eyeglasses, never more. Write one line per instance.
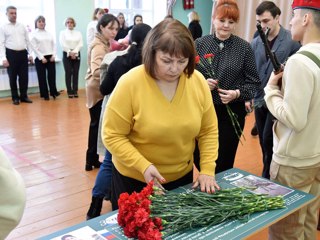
(69, 22)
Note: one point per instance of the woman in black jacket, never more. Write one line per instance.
(194, 25)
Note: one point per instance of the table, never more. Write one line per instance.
(106, 227)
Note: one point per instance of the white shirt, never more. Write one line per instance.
(15, 37)
(91, 30)
(71, 41)
(43, 42)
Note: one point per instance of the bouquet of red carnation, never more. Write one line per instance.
(134, 215)
(149, 215)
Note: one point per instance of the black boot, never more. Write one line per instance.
(90, 165)
(95, 208)
(254, 130)
(92, 160)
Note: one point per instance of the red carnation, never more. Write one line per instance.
(197, 59)
(208, 55)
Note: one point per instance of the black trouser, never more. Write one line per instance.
(46, 71)
(228, 139)
(18, 67)
(71, 68)
(264, 121)
(121, 184)
(92, 155)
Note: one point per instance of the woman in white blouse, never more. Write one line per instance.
(92, 26)
(71, 43)
(44, 43)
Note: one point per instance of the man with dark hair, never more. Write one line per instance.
(295, 105)
(279, 40)
(14, 42)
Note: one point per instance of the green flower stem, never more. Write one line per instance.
(235, 123)
(181, 211)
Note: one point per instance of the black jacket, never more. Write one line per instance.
(195, 29)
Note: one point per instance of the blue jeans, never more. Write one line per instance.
(102, 186)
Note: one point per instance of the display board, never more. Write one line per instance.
(106, 227)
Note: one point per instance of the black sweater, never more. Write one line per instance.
(119, 66)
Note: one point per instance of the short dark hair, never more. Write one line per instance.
(268, 6)
(37, 19)
(105, 20)
(11, 7)
(169, 36)
(315, 14)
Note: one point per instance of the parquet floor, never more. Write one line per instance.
(46, 142)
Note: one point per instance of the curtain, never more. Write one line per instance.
(247, 23)
(170, 4)
(213, 7)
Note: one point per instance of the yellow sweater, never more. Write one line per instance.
(141, 127)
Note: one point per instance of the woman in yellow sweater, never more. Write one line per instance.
(156, 112)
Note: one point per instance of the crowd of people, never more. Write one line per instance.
(160, 98)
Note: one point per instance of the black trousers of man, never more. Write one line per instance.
(18, 67)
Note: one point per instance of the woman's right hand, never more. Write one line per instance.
(213, 83)
(152, 174)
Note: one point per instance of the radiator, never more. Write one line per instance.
(4, 79)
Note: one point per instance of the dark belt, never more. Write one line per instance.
(16, 51)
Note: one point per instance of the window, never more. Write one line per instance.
(152, 11)
(28, 11)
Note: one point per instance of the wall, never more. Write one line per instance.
(202, 7)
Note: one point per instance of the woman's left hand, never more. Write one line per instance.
(207, 183)
(227, 95)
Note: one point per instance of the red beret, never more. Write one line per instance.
(313, 4)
